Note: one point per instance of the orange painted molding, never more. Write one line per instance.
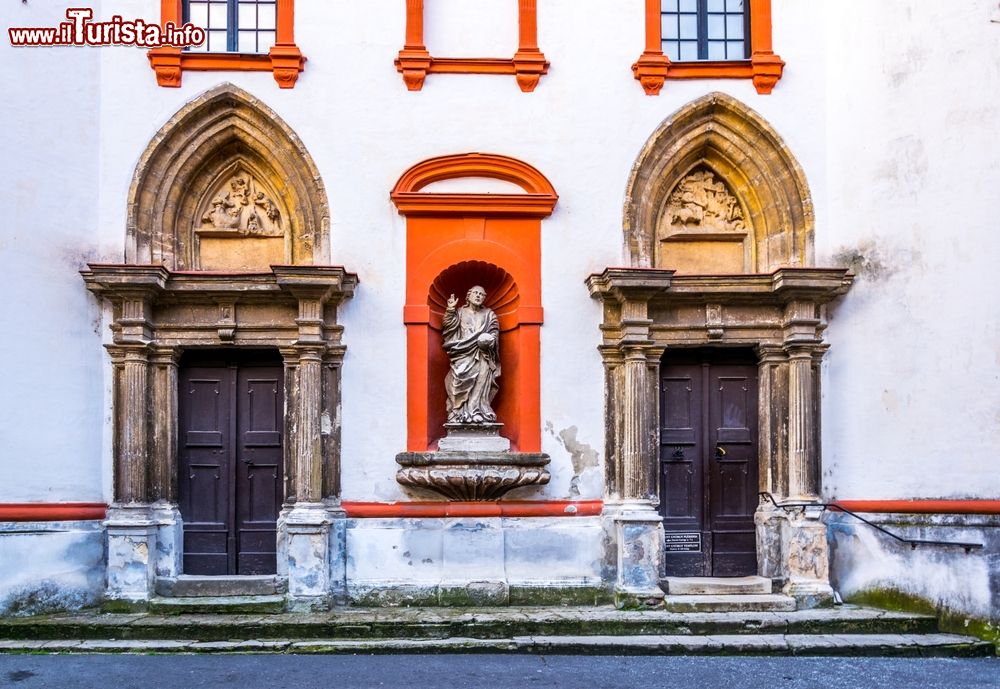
(550, 508)
(765, 68)
(284, 60)
(922, 506)
(538, 201)
(527, 65)
(52, 511)
(489, 165)
(452, 239)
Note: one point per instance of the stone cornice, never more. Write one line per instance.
(118, 282)
(817, 285)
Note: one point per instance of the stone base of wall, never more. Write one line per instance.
(50, 566)
(961, 586)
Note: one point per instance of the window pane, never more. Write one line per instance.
(734, 26)
(716, 5)
(217, 41)
(248, 41)
(672, 50)
(689, 5)
(689, 51)
(716, 50)
(265, 39)
(266, 15)
(198, 14)
(668, 26)
(689, 26)
(247, 16)
(734, 50)
(217, 16)
(668, 6)
(734, 5)
(716, 26)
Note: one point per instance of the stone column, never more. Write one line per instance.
(163, 462)
(638, 526)
(304, 526)
(131, 529)
(773, 454)
(800, 425)
(804, 546)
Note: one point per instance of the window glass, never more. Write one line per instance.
(244, 26)
(694, 30)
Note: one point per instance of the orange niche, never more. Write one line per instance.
(455, 240)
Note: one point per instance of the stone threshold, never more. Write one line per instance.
(884, 645)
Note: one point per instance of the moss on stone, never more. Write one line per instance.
(559, 595)
(948, 620)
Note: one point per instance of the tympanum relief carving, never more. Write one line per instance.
(240, 208)
(702, 202)
(702, 228)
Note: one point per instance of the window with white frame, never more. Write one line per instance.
(234, 26)
(711, 30)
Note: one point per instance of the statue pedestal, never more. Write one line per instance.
(468, 437)
(473, 463)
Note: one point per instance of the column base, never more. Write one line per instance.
(132, 553)
(638, 530)
(792, 546)
(169, 539)
(304, 550)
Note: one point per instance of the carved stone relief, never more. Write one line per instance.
(241, 206)
(700, 201)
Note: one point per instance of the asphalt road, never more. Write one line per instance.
(487, 672)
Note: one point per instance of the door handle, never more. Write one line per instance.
(247, 460)
(720, 452)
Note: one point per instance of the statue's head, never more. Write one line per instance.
(476, 296)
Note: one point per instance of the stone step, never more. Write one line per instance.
(715, 586)
(227, 605)
(189, 585)
(771, 602)
(886, 645)
(171, 621)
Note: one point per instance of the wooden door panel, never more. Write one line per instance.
(259, 471)
(708, 462)
(681, 467)
(230, 418)
(733, 464)
(204, 463)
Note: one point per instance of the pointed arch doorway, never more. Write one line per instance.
(718, 233)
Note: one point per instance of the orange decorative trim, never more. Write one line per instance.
(52, 512)
(764, 67)
(284, 60)
(528, 64)
(922, 506)
(527, 508)
(452, 241)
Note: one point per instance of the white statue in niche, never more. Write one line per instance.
(242, 208)
(472, 342)
(701, 202)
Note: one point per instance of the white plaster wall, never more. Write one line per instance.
(912, 401)
(51, 411)
(891, 123)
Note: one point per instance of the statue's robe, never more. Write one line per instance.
(471, 384)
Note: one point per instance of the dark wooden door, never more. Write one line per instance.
(230, 415)
(708, 461)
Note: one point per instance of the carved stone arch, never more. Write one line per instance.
(222, 130)
(724, 136)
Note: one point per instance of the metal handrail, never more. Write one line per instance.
(912, 542)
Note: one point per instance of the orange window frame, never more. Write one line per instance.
(528, 65)
(284, 60)
(764, 67)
